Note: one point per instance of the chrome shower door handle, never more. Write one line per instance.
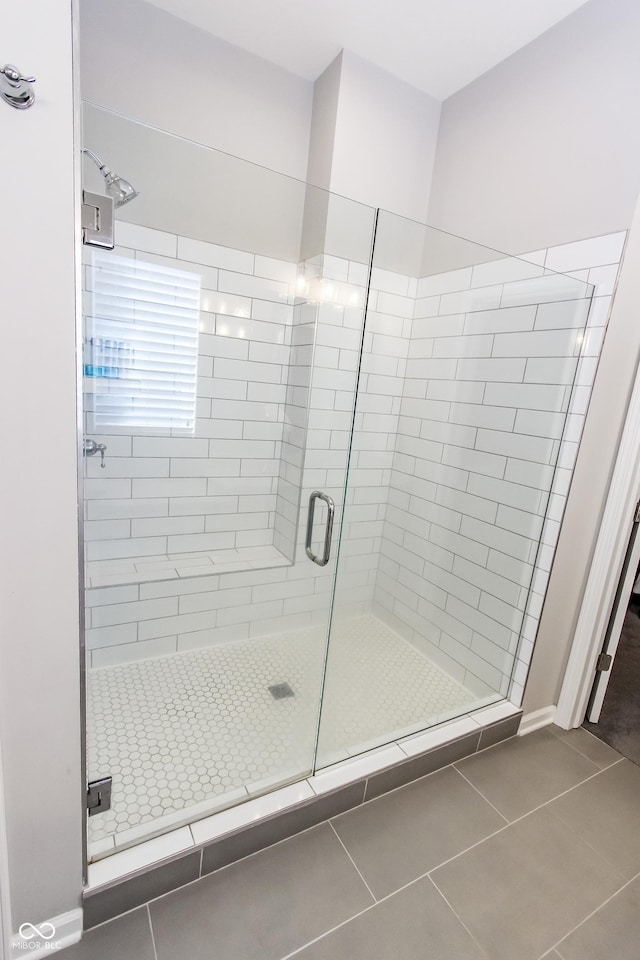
(331, 509)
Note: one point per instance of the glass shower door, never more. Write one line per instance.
(468, 367)
(222, 340)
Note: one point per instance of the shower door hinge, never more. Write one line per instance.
(97, 220)
(604, 662)
(99, 795)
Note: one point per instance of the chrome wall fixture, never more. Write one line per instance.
(91, 447)
(119, 189)
(15, 89)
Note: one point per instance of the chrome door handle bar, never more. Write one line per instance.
(331, 508)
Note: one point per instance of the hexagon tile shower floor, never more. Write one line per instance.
(191, 733)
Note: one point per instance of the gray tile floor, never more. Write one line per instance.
(529, 850)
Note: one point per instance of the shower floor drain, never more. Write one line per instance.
(280, 690)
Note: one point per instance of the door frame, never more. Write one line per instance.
(616, 622)
(606, 567)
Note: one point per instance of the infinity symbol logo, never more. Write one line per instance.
(46, 931)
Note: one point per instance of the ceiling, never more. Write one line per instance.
(438, 46)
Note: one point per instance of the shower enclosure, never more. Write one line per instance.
(320, 441)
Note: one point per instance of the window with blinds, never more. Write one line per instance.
(141, 346)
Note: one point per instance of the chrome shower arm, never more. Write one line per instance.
(104, 169)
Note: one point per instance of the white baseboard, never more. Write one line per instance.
(536, 719)
(36, 940)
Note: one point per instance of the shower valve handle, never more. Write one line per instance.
(90, 448)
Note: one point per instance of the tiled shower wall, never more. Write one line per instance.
(493, 356)
(224, 489)
(132, 621)
(385, 350)
(432, 536)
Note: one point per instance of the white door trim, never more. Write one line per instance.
(604, 575)
(616, 622)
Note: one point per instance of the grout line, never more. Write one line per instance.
(153, 939)
(298, 950)
(575, 787)
(103, 923)
(600, 855)
(355, 916)
(456, 914)
(355, 865)
(479, 792)
(523, 817)
(596, 910)
(466, 850)
(597, 739)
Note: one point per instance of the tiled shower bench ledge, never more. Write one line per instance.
(134, 876)
(181, 566)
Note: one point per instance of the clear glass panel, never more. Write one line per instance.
(229, 376)
(206, 620)
(467, 372)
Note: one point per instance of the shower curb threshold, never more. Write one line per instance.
(138, 874)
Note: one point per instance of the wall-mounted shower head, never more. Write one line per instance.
(117, 187)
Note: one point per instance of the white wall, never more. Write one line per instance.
(326, 90)
(39, 657)
(146, 64)
(545, 148)
(384, 137)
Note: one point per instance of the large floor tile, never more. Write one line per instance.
(264, 907)
(126, 936)
(584, 742)
(400, 836)
(520, 774)
(523, 889)
(414, 924)
(613, 933)
(606, 813)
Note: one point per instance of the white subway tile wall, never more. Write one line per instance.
(185, 519)
(225, 489)
(465, 384)
(475, 500)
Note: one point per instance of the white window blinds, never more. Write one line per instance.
(141, 346)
